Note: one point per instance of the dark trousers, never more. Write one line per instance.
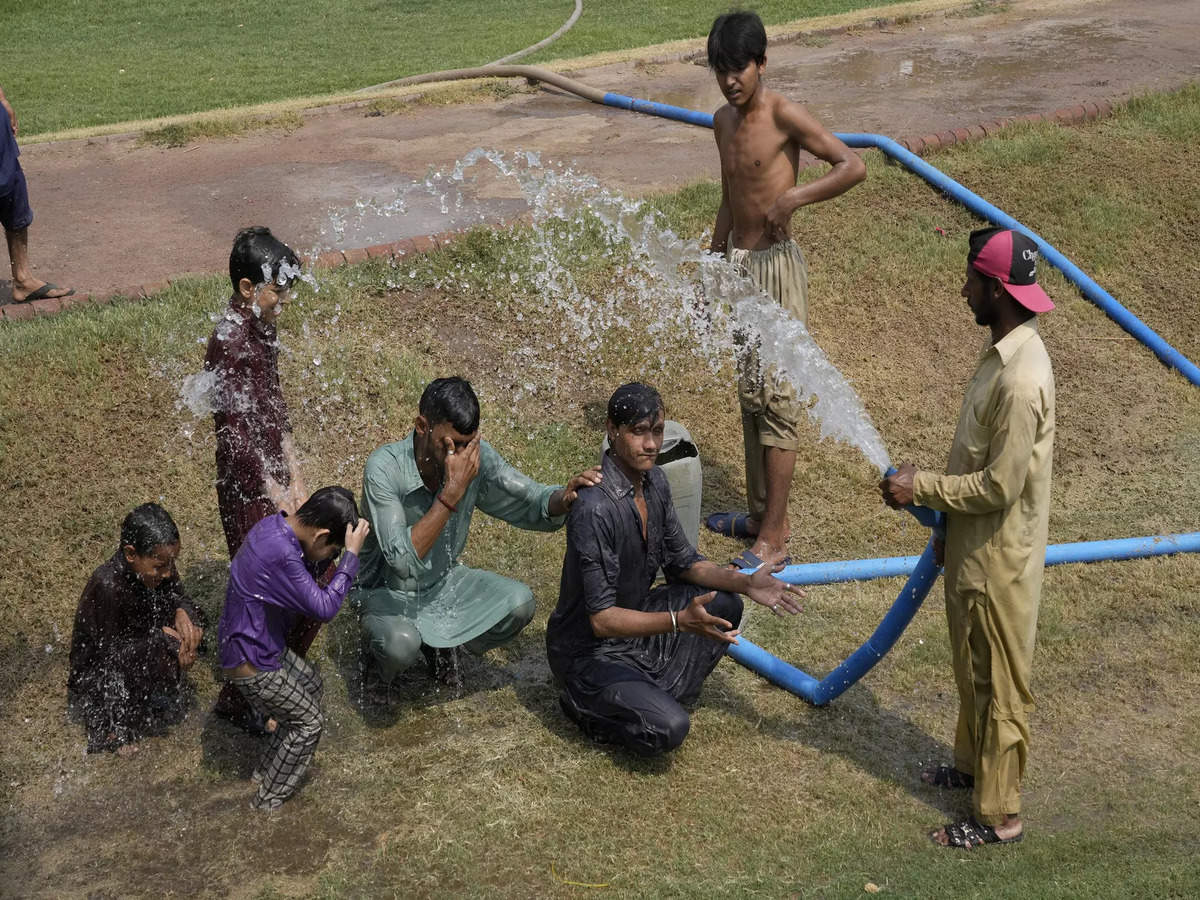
(633, 693)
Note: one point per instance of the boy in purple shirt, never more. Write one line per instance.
(270, 589)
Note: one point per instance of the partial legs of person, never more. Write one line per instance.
(769, 472)
(291, 695)
(391, 642)
(397, 630)
(992, 650)
(16, 217)
(617, 703)
(779, 466)
(637, 700)
(771, 412)
(239, 513)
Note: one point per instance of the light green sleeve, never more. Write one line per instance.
(513, 496)
(383, 497)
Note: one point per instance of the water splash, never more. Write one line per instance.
(656, 289)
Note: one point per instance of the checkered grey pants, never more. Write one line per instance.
(291, 695)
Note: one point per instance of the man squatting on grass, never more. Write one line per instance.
(996, 495)
(16, 215)
(759, 137)
(420, 494)
(258, 471)
(625, 656)
(270, 589)
(136, 634)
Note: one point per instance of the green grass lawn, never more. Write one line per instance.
(74, 63)
(491, 792)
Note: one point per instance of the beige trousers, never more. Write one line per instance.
(771, 412)
(992, 647)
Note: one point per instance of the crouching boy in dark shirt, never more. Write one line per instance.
(270, 588)
(626, 656)
(136, 633)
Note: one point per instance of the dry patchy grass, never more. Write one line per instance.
(492, 792)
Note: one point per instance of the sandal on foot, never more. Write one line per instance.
(969, 834)
(44, 292)
(947, 777)
(748, 560)
(730, 524)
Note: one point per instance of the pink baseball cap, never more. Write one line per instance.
(1012, 258)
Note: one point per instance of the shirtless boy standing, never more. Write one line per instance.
(759, 136)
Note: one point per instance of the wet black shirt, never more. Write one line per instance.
(609, 563)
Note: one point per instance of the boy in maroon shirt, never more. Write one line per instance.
(258, 472)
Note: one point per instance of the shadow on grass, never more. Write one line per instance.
(381, 706)
(540, 697)
(879, 741)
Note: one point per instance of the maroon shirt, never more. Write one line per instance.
(251, 420)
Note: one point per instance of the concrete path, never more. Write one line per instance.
(110, 214)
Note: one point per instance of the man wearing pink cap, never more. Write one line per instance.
(996, 496)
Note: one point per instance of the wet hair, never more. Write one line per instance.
(736, 39)
(451, 400)
(147, 527)
(330, 507)
(260, 256)
(634, 402)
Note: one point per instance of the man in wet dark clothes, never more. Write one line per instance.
(626, 656)
(258, 472)
(136, 633)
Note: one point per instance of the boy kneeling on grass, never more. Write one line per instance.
(136, 634)
(270, 589)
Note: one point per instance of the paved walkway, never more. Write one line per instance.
(111, 214)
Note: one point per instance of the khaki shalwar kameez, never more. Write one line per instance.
(997, 496)
(407, 600)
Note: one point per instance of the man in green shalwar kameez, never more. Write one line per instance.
(419, 495)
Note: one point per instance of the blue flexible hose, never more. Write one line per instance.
(976, 204)
(922, 570)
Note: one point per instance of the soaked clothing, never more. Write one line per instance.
(996, 494)
(291, 695)
(125, 681)
(270, 589)
(771, 410)
(251, 420)
(15, 213)
(405, 598)
(629, 690)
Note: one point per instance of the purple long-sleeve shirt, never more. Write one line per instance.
(269, 588)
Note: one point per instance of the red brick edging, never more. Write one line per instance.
(15, 312)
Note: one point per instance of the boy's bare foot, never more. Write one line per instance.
(33, 289)
(127, 750)
(768, 552)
